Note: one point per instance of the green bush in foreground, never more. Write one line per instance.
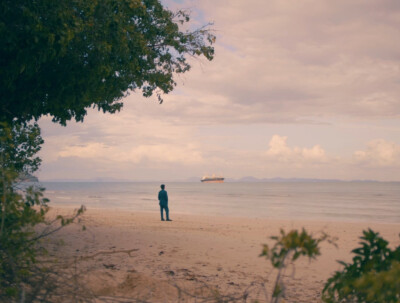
(23, 208)
(288, 248)
(374, 275)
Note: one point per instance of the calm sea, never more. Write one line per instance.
(333, 201)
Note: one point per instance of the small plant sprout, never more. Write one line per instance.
(288, 248)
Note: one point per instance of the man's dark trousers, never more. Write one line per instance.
(163, 206)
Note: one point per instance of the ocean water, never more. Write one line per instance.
(327, 201)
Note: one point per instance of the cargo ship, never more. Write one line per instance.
(212, 179)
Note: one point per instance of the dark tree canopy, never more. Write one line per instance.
(62, 57)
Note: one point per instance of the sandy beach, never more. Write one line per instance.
(135, 255)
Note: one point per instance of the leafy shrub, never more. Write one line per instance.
(288, 248)
(374, 275)
(22, 209)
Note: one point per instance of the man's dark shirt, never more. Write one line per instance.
(163, 197)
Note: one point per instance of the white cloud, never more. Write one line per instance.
(316, 153)
(278, 147)
(379, 153)
(279, 150)
(89, 150)
(183, 154)
(303, 68)
(287, 61)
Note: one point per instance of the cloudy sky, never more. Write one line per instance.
(305, 88)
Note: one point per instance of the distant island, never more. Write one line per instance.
(253, 179)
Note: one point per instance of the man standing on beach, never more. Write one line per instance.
(163, 198)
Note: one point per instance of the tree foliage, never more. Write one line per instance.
(62, 57)
(23, 207)
(18, 148)
(374, 275)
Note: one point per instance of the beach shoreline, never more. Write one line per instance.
(134, 252)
